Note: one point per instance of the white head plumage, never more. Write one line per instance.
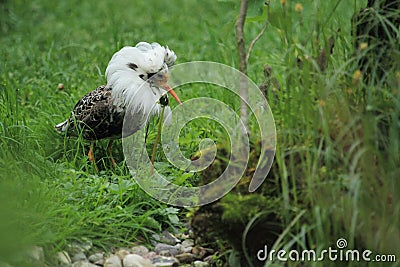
(129, 71)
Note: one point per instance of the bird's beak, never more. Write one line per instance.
(172, 92)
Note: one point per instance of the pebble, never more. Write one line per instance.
(155, 238)
(83, 264)
(113, 261)
(63, 258)
(80, 256)
(121, 253)
(186, 250)
(188, 243)
(139, 250)
(36, 253)
(150, 255)
(165, 249)
(185, 257)
(167, 237)
(96, 257)
(133, 260)
(161, 261)
(169, 253)
(81, 246)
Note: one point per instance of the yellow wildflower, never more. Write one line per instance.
(298, 7)
(357, 76)
(363, 46)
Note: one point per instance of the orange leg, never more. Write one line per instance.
(91, 156)
(109, 149)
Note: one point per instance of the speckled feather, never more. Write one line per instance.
(94, 116)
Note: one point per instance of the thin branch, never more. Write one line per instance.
(264, 28)
(242, 61)
(240, 36)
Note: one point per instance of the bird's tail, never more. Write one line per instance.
(62, 127)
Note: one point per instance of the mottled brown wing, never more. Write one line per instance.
(95, 116)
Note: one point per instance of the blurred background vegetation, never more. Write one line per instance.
(332, 80)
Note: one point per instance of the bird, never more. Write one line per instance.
(137, 79)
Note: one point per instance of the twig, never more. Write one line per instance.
(153, 155)
(264, 28)
(242, 61)
(244, 57)
(240, 36)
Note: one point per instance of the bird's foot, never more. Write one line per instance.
(113, 162)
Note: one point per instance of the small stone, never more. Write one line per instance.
(185, 257)
(139, 250)
(187, 250)
(150, 255)
(121, 253)
(83, 264)
(161, 261)
(178, 246)
(113, 261)
(201, 264)
(96, 257)
(155, 239)
(133, 260)
(168, 238)
(80, 256)
(166, 250)
(188, 243)
(63, 258)
(99, 262)
(86, 244)
(81, 246)
(36, 253)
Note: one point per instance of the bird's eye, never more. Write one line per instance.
(142, 76)
(133, 66)
(150, 75)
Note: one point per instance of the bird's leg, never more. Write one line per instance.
(91, 156)
(147, 133)
(109, 149)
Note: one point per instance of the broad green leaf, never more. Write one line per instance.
(182, 178)
(174, 219)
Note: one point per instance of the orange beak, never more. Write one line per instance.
(172, 92)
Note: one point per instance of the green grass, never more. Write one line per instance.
(337, 158)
